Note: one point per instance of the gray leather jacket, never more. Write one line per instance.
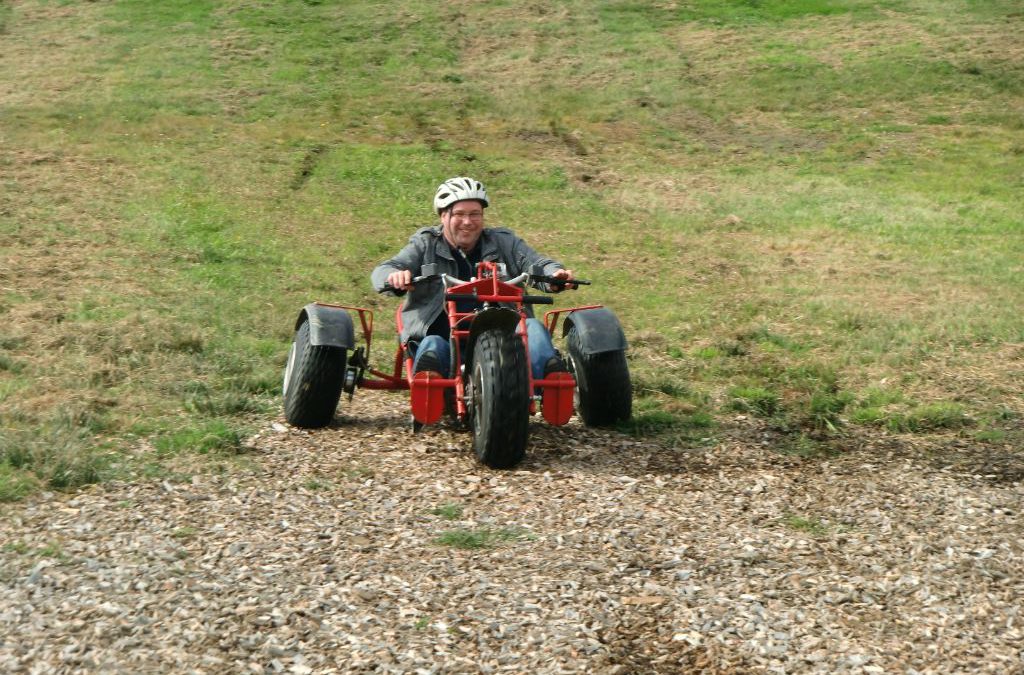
(425, 302)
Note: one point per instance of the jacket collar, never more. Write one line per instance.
(488, 245)
(441, 248)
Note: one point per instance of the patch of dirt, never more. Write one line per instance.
(308, 166)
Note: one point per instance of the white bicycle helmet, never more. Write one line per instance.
(459, 189)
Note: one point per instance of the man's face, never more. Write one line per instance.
(463, 223)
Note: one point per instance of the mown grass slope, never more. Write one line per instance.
(807, 211)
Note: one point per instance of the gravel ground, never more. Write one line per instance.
(326, 553)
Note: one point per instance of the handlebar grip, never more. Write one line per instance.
(388, 288)
(555, 281)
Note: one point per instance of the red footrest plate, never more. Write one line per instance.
(428, 401)
(557, 398)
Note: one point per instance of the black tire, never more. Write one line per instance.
(313, 378)
(604, 394)
(501, 399)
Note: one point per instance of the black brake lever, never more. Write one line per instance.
(429, 273)
(388, 288)
(556, 281)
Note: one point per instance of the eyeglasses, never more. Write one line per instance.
(472, 215)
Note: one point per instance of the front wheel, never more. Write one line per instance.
(312, 381)
(500, 399)
(603, 390)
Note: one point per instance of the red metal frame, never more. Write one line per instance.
(551, 317)
(427, 388)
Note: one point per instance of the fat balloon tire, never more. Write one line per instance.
(500, 399)
(313, 379)
(604, 393)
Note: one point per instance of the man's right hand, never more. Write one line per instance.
(400, 280)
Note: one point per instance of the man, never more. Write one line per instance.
(456, 246)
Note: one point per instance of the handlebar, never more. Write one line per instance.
(526, 299)
(449, 281)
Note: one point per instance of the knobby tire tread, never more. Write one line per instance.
(315, 382)
(603, 384)
(501, 433)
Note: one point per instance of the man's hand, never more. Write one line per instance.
(400, 280)
(562, 274)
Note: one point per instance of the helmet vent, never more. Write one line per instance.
(458, 189)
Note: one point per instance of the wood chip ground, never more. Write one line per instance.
(602, 553)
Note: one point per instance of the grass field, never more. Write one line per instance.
(804, 211)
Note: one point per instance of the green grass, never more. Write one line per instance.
(449, 511)
(812, 526)
(186, 532)
(756, 400)
(18, 547)
(931, 416)
(60, 453)
(990, 435)
(922, 418)
(202, 437)
(10, 365)
(824, 409)
(682, 419)
(16, 483)
(317, 484)
(786, 203)
(51, 549)
(480, 538)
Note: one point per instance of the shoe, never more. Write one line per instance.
(430, 361)
(555, 365)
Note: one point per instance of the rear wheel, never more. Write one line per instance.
(312, 381)
(501, 399)
(603, 390)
